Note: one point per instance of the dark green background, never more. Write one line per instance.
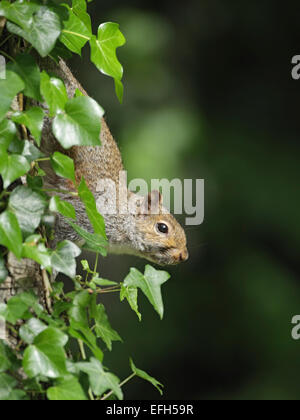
(209, 94)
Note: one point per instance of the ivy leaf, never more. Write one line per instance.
(42, 31)
(37, 252)
(131, 294)
(63, 166)
(92, 242)
(7, 358)
(103, 282)
(79, 7)
(79, 124)
(142, 374)
(46, 355)
(54, 92)
(150, 283)
(8, 133)
(63, 207)
(3, 270)
(78, 311)
(64, 258)
(10, 233)
(33, 119)
(66, 389)
(75, 33)
(100, 380)
(34, 182)
(18, 306)
(87, 337)
(7, 384)
(30, 152)
(103, 328)
(29, 207)
(18, 12)
(26, 67)
(31, 329)
(9, 88)
(89, 202)
(12, 167)
(103, 52)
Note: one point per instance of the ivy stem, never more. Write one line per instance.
(108, 291)
(66, 192)
(96, 263)
(7, 56)
(81, 347)
(42, 159)
(76, 34)
(121, 384)
(4, 193)
(5, 40)
(83, 354)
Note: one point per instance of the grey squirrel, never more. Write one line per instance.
(157, 237)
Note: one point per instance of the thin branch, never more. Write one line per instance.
(121, 384)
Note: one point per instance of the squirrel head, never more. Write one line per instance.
(161, 237)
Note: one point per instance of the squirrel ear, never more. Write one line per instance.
(153, 202)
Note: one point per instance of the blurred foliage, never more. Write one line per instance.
(208, 94)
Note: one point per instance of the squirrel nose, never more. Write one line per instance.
(184, 255)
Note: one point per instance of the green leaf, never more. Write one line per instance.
(92, 242)
(103, 282)
(131, 294)
(66, 389)
(63, 207)
(42, 32)
(12, 167)
(46, 355)
(75, 33)
(103, 328)
(10, 233)
(79, 7)
(18, 306)
(26, 67)
(100, 380)
(79, 124)
(31, 152)
(150, 283)
(54, 92)
(29, 207)
(37, 252)
(103, 52)
(78, 93)
(89, 202)
(87, 337)
(29, 331)
(7, 384)
(8, 133)
(119, 89)
(63, 166)
(64, 258)
(3, 270)
(34, 182)
(18, 12)
(78, 313)
(140, 373)
(9, 88)
(17, 395)
(7, 358)
(33, 119)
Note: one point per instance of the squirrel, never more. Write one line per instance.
(158, 237)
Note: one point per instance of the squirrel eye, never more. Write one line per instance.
(162, 228)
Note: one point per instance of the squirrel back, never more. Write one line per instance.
(151, 232)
